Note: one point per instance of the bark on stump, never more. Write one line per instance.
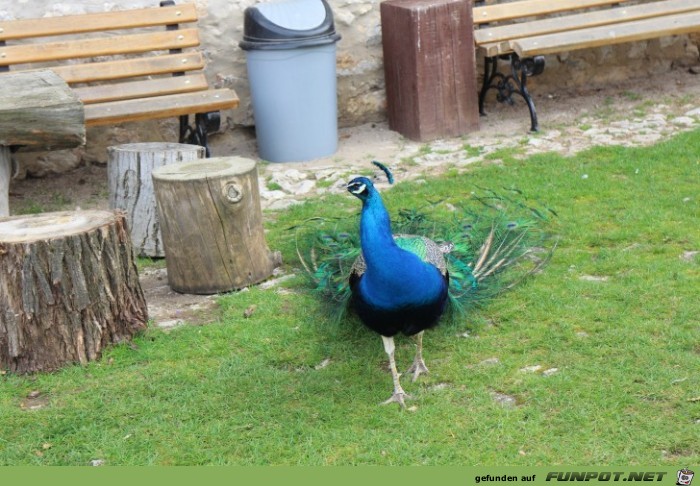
(129, 171)
(68, 288)
(212, 225)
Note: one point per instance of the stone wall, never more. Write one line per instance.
(361, 96)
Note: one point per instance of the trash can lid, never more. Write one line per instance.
(288, 25)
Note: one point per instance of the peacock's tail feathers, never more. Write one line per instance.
(327, 250)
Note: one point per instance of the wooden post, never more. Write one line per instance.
(68, 288)
(430, 67)
(130, 183)
(5, 174)
(212, 225)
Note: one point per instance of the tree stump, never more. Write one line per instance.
(5, 174)
(68, 288)
(212, 225)
(130, 185)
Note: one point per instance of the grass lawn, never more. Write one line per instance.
(614, 320)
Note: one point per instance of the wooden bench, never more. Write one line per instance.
(124, 66)
(523, 31)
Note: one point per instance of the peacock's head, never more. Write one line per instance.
(360, 187)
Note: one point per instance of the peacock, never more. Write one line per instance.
(404, 282)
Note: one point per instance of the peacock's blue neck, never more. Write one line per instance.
(377, 241)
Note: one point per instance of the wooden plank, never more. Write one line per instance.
(607, 35)
(531, 8)
(160, 107)
(130, 68)
(103, 46)
(584, 20)
(496, 49)
(141, 89)
(39, 111)
(97, 22)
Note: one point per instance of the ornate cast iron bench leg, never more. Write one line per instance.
(197, 134)
(515, 82)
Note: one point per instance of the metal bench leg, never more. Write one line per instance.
(530, 66)
(490, 74)
(514, 83)
(197, 134)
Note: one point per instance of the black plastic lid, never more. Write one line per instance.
(263, 33)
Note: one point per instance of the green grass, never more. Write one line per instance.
(472, 151)
(324, 183)
(145, 263)
(56, 202)
(506, 154)
(251, 391)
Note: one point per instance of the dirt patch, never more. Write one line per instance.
(168, 309)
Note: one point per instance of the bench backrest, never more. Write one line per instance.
(140, 43)
(543, 26)
(498, 12)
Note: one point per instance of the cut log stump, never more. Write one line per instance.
(212, 225)
(129, 170)
(68, 288)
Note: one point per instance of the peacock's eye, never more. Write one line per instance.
(357, 188)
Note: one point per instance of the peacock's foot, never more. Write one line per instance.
(417, 368)
(398, 397)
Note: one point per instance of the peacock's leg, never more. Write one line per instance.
(399, 395)
(418, 365)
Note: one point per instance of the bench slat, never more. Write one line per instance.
(141, 89)
(584, 20)
(97, 22)
(160, 107)
(607, 35)
(104, 46)
(496, 49)
(130, 68)
(531, 8)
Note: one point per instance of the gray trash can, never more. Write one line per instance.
(290, 52)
